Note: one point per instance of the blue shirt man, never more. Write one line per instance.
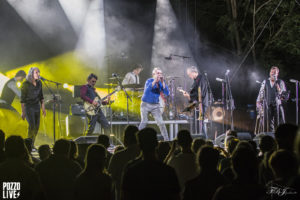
(152, 92)
(154, 87)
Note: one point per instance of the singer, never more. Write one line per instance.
(269, 100)
(31, 100)
(154, 88)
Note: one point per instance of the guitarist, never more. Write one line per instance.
(88, 94)
(193, 96)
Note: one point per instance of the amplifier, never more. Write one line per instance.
(77, 109)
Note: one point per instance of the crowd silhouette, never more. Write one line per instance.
(145, 168)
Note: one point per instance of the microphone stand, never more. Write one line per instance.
(229, 100)
(127, 97)
(223, 105)
(210, 99)
(297, 101)
(54, 102)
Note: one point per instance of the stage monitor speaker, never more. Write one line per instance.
(86, 139)
(260, 135)
(220, 140)
(83, 142)
(77, 125)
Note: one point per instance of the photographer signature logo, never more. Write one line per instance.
(280, 190)
(11, 190)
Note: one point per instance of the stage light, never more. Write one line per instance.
(65, 85)
(19, 84)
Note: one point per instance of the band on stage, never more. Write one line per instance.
(156, 90)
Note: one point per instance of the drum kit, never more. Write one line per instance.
(118, 109)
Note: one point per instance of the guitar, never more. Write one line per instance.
(191, 106)
(91, 109)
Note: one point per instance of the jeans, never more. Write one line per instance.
(32, 113)
(154, 109)
(99, 117)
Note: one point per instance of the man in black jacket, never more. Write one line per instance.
(193, 95)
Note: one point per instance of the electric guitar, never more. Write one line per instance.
(91, 109)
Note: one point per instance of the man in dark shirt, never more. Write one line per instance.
(31, 100)
(88, 94)
(147, 177)
(10, 90)
(193, 96)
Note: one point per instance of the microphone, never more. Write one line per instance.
(114, 75)
(169, 58)
(221, 80)
(42, 78)
(294, 81)
(227, 72)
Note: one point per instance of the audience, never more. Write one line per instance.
(16, 169)
(184, 163)
(284, 167)
(119, 148)
(209, 179)
(245, 186)
(295, 182)
(104, 140)
(121, 158)
(58, 172)
(266, 144)
(29, 146)
(163, 150)
(148, 178)
(197, 144)
(285, 136)
(226, 162)
(94, 182)
(74, 153)
(44, 151)
(148, 169)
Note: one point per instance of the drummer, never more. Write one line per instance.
(133, 76)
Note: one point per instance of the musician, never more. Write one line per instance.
(10, 90)
(88, 94)
(32, 100)
(271, 91)
(133, 77)
(192, 95)
(154, 88)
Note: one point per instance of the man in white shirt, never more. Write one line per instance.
(133, 77)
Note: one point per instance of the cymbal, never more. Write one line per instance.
(132, 86)
(111, 84)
